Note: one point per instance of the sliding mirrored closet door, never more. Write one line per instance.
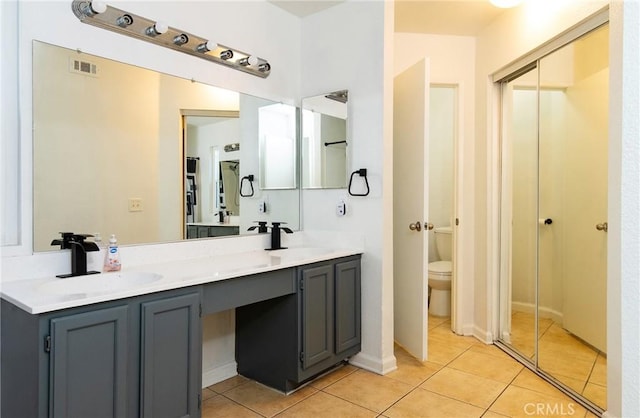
(554, 214)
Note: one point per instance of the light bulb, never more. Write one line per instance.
(263, 68)
(206, 46)
(157, 28)
(98, 6)
(226, 54)
(180, 39)
(250, 60)
(124, 21)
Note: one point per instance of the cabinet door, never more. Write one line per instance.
(88, 365)
(317, 314)
(347, 297)
(171, 364)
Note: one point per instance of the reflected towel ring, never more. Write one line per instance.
(250, 179)
(362, 173)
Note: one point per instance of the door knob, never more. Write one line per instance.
(602, 227)
(429, 226)
(416, 226)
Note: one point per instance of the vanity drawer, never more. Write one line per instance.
(227, 294)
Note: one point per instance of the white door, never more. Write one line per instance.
(410, 184)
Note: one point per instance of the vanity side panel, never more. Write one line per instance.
(24, 376)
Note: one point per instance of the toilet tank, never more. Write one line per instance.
(443, 242)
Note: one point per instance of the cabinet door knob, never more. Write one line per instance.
(429, 226)
(416, 226)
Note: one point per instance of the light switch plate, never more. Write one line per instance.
(135, 204)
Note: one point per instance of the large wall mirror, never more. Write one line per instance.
(119, 149)
(324, 141)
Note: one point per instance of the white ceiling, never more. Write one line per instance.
(446, 17)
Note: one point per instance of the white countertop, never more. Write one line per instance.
(40, 295)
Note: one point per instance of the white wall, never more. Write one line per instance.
(343, 47)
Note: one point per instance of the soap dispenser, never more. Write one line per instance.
(112, 257)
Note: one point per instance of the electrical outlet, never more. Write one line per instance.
(341, 208)
(135, 204)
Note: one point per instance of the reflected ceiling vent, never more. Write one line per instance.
(83, 67)
(232, 147)
(339, 96)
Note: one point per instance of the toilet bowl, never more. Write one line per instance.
(440, 274)
(440, 286)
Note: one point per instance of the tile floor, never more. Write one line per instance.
(463, 378)
(567, 358)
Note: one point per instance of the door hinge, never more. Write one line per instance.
(457, 221)
(200, 310)
(199, 401)
(302, 357)
(47, 344)
(301, 284)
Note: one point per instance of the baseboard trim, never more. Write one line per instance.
(374, 364)
(483, 335)
(218, 374)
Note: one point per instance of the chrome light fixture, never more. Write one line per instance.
(97, 13)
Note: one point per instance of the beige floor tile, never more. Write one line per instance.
(529, 380)
(596, 394)
(443, 353)
(423, 403)
(333, 376)
(521, 402)
(465, 387)
(412, 371)
(221, 407)
(491, 414)
(324, 405)
(487, 366)
(489, 349)
(369, 390)
(575, 384)
(207, 393)
(599, 373)
(445, 335)
(435, 321)
(264, 400)
(575, 368)
(228, 384)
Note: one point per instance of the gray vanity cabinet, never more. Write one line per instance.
(88, 364)
(286, 341)
(170, 366)
(127, 358)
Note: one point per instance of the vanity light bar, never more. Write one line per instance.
(98, 14)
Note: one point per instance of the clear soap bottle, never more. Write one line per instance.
(112, 257)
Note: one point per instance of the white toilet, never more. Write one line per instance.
(440, 274)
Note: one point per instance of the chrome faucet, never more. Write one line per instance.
(79, 248)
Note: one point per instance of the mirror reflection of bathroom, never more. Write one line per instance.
(212, 168)
(442, 132)
(324, 141)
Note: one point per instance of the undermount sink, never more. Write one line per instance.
(99, 283)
